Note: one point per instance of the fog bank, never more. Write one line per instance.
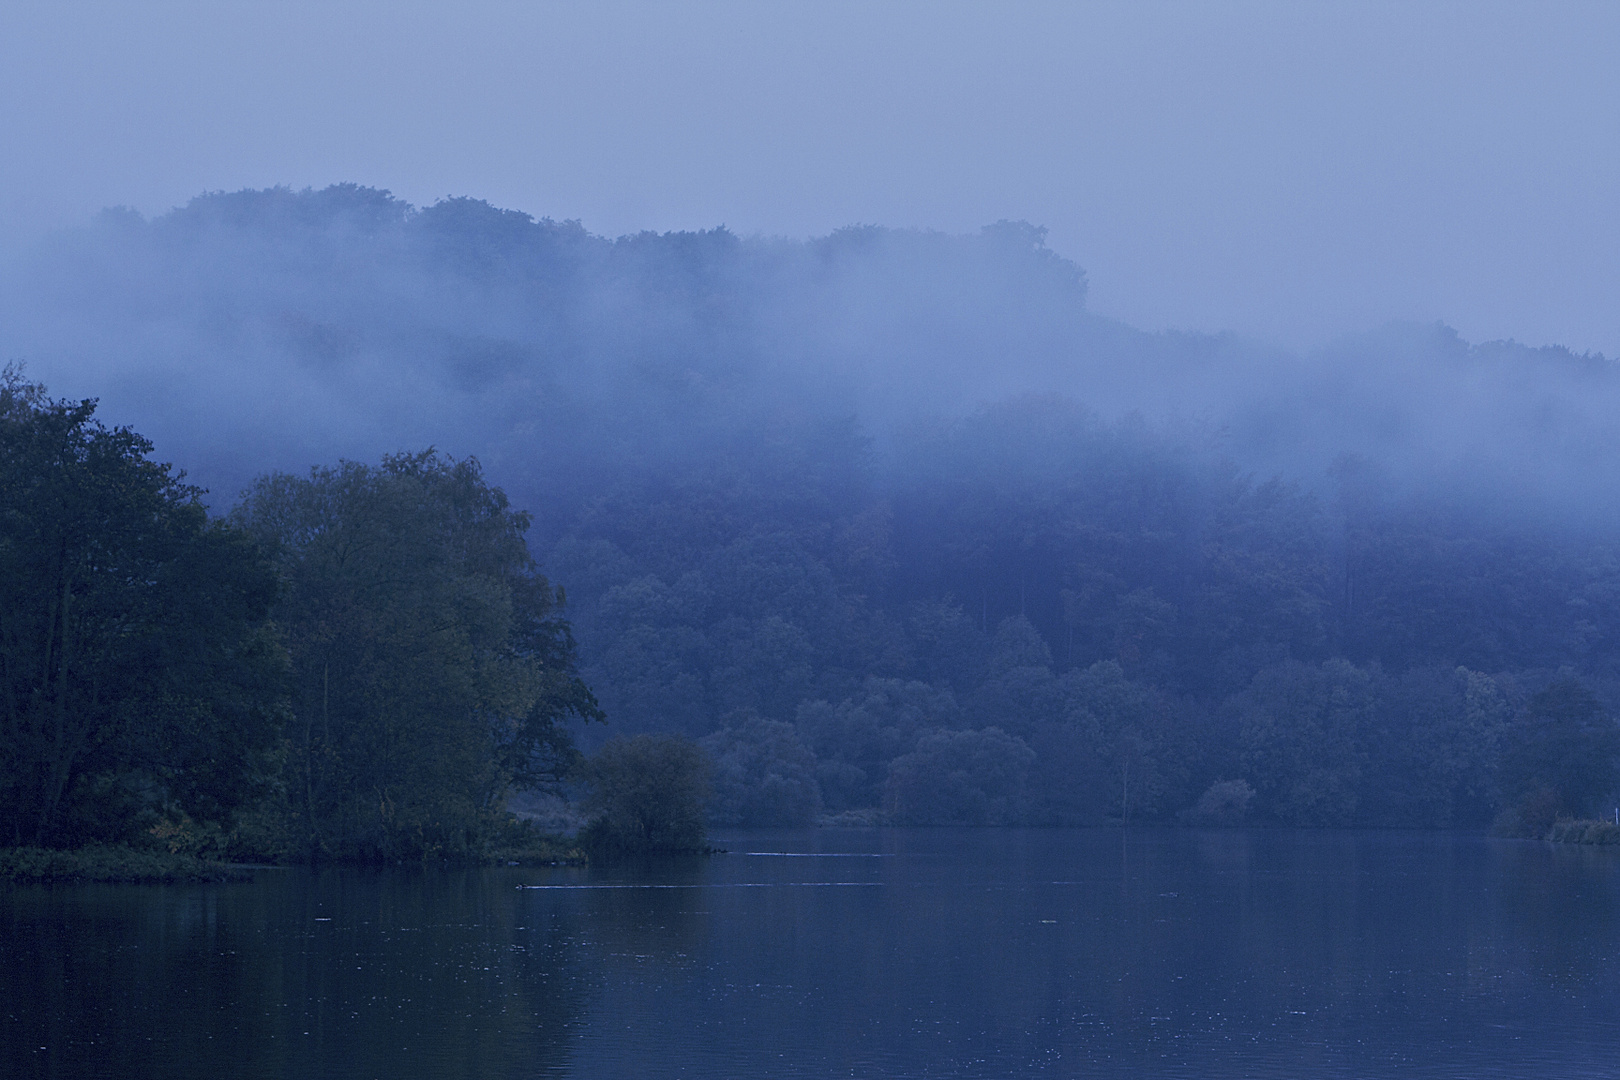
(276, 329)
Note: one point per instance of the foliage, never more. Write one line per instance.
(138, 673)
(646, 794)
(1225, 802)
(1302, 735)
(763, 775)
(1433, 744)
(432, 669)
(826, 484)
(514, 841)
(961, 778)
(1584, 831)
(855, 740)
(1562, 757)
(104, 862)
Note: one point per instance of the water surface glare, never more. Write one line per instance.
(961, 953)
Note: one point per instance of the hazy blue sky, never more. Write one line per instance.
(1289, 170)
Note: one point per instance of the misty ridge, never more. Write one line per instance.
(896, 527)
(278, 328)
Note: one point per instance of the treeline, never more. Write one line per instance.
(831, 509)
(257, 330)
(355, 664)
(363, 663)
(1039, 618)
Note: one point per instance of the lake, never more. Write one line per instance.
(849, 953)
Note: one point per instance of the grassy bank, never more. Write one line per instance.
(540, 851)
(1584, 831)
(109, 863)
(123, 864)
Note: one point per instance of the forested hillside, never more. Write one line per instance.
(890, 522)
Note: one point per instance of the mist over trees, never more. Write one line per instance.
(891, 524)
(274, 329)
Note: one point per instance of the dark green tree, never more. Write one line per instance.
(138, 674)
(856, 739)
(433, 668)
(647, 794)
(1432, 746)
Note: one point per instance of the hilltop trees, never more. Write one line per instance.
(836, 510)
(1143, 617)
(139, 677)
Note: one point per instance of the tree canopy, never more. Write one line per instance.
(861, 511)
(432, 670)
(139, 675)
(647, 794)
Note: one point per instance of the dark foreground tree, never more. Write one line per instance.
(433, 670)
(647, 794)
(138, 674)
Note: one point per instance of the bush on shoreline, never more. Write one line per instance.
(647, 795)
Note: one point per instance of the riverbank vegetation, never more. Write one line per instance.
(360, 664)
(356, 665)
(819, 511)
(429, 669)
(646, 795)
(1584, 831)
(141, 673)
(112, 863)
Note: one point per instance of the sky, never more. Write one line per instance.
(1289, 171)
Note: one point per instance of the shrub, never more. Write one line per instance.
(646, 794)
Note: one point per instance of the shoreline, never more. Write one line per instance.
(119, 864)
(1591, 831)
(113, 864)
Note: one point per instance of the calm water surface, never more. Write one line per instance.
(881, 953)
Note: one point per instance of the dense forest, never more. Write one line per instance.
(358, 664)
(887, 522)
